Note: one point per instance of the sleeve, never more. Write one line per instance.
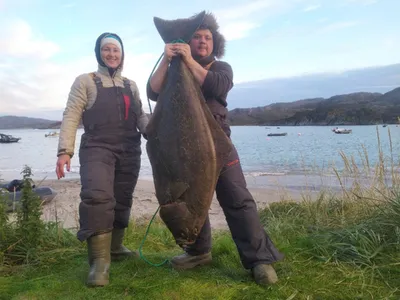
(77, 101)
(142, 118)
(219, 80)
(150, 93)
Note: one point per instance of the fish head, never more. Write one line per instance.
(183, 225)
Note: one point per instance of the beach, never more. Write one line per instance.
(64, 207)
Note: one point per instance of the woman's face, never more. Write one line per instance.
(111, 55)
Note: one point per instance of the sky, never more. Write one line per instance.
(45, 44)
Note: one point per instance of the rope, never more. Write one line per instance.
(144, 238)
(152, 71)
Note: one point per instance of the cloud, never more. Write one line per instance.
(248, 9)
(19, 40)
(311, 7)
(68, 5)
(362, 2)
(238, 21)
(32, 80)
(237, 30)
(338, 26)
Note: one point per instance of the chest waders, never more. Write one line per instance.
(109, 157)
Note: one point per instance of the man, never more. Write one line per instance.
(255, 248)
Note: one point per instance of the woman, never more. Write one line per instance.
(110, 109)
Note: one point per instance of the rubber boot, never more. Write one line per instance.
(186, 261)
(99, 259)
(119, 251)
(264, 274)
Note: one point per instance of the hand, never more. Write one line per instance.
(169, 51)
(63, 160)
(183, 49)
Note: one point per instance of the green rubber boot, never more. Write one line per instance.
(99, 259)
(119, 251)
(265, 274)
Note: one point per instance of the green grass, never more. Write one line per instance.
(312, 269)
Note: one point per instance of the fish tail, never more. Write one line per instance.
(178, 30)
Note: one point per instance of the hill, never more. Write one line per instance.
(350, 109)
(16, 122)
(379, 79)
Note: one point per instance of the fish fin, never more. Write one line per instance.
(183, 29)
(177, 189)
(223, 144)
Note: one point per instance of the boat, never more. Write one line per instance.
(338, 130)
(51, 134)
(277, 134)
(6, 139)
(11, 193)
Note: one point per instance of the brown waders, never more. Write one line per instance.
(109, 157)
(256, 250)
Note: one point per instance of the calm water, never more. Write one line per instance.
(304, 149)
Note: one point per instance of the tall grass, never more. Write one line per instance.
(359, 226)
(26, 239)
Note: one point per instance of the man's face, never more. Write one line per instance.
(202, 43)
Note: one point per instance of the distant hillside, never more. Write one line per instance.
(263, 92)
(349, 109)
(14, 122)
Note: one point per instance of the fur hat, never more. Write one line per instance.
(210, 23)
(184, 28)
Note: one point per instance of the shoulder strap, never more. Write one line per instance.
(127, 83)
(96, 79)
(207, 67)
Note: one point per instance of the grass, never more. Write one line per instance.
(337, 246)
(324, 260)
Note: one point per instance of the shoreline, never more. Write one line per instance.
(64, 207)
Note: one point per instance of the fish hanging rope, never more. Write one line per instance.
(158, 61)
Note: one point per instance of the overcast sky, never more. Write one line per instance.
(44, 45)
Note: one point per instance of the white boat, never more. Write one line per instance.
(342, 130)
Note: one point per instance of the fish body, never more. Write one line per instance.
(186, 146)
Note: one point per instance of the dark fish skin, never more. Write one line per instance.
(185, 145)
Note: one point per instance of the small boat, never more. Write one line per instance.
(384, 125)
(51, 134)
(6, 139)
(277, 134)
(342, 130)
(13, 190)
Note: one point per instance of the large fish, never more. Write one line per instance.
(186, 146)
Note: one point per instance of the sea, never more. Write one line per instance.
(307, 156)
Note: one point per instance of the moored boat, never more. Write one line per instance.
(6, 139)
(338, 130)
(277, 134)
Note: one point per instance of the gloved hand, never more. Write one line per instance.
(145, 136)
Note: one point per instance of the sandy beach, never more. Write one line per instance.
(64, 207)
